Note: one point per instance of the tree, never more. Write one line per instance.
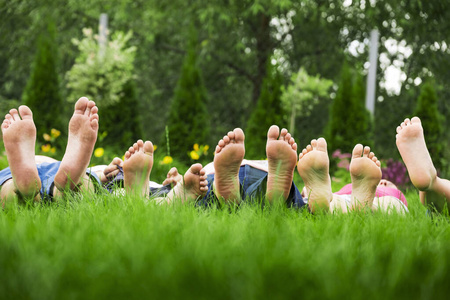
(188, 120)
(428, 113)
(302, 94)
(349, 122)
(42, 91)
(122, 120)
(268, 112)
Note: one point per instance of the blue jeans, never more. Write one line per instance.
(47, 173)
(253, 186)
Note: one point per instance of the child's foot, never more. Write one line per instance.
(313, 166)
(19, 137)
(173, 177)
(411, 144)
(137, 168)
(193, 186)
(228, 157)
(281, 151)
(366, 174)
(83, 127)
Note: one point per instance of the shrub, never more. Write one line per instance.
(268, 111)
(188, 120)
(42, 91)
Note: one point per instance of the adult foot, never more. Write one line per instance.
(83, 127)
(365, 172)
(19, 137)
(137, 168)
(193, 185)
(281, 151)
(313, 166)
(411, 145)
(228, 157)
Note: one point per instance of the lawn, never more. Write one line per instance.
(103, 246)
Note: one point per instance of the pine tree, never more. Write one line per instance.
(188, 120)
(350, 122)
(428, 113)
(122, 120)
(42, 91)
(268, 112)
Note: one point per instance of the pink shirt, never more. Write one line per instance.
(380, 192)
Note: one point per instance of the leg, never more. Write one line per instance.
(313, 167)
(366, 174)
(83, 127)
(19, 137)
(137, 167)
(192, 186)
(281, 151)
(413, 149)
(228, 157)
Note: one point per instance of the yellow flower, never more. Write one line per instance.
(167, 160)
(53, 150)
(47, 137)
(194, 155)
(196, 147)
(99, 152)
(206, 148)
(46, 147)
(155, 147)
(55, 133)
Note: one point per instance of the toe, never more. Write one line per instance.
(25, 112)
(148, 147)
(322, 145)
(366, 151)
(273, 133)
(357, 151)
(239, 135)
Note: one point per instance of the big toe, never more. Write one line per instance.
(81, 104)
(196, 168)
(239, 135)
(416, 120)
(148, 147)
(322, 145)
(273, 133)
(25, 112)
(357, 151)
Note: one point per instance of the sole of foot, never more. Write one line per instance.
(83, 127)
(365, 172)
(193, 186)
(228, 157)
(19, 137)
(137, 167)
(313, 166)
(281, 151)
(413, 149)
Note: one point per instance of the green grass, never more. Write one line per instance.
(111, 247)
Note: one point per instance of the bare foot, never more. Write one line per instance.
(413, 149)
(83, 127)
(228, 157)
(281, 151)
(193, 185)
(313, 166)
(173, 177)
(19, 137)
(366, 174)
(411, 144)
(137, 167)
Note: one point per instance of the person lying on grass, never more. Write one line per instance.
(36, 177)
(411, 144)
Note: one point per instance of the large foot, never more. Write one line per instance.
(192, 187)
(19, 137)
(366, 174)
(83, 127)
(281, 151)
(228, 157)
(313, 166)
(411, 144)
(137, 168)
